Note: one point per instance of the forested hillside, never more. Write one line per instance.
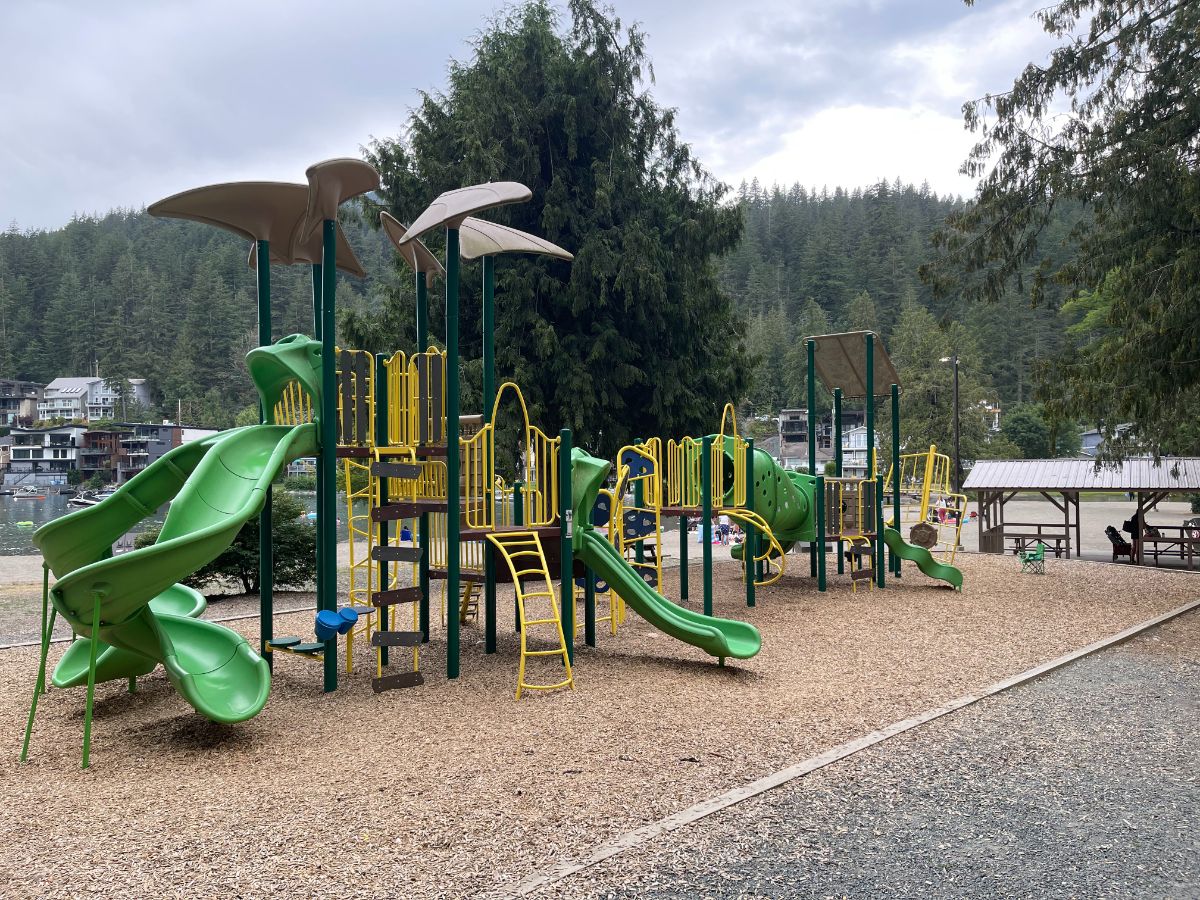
(815, 261)
(174, 301)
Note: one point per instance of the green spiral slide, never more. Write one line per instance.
(145, 618)
(923, 558)
(716, 637)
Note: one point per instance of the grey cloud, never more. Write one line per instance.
(116, 104)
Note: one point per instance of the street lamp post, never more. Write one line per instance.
(957, 454)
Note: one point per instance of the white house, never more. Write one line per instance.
(44, 455)
(854, 452)
(88, 398)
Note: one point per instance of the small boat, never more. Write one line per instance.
(91, 498)
(22, 495)
(24, 524)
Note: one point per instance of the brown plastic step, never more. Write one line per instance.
(396, 639)
(440, 574)
(399, 680)
(396, 554)
(407, 471)
(406, 509)
(391, 598)
(352, 452)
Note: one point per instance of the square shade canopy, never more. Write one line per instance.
(841, 362)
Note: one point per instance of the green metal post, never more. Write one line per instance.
(819, 493)
(518, 519)
(327, 511)
(879, 527)
(876, 543)
(706, 522)
(683, 568)
(589, 606)
(896, 560)
(381, 440)
(266, 556)
(750, 544)
(317, 281)
(489, 401)
(837, 463)
(91, 683)
(423, 537)
(812, 436)
(39, 686)
(566, 529)
(453, 487)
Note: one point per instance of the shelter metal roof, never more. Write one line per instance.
(1170, 474)
(841, 362)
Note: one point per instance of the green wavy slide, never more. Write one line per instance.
(716, 637)
(145, 617)
(923, 558)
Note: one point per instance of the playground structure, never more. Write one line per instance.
(424, 499)
(408, 457)
(930, 510)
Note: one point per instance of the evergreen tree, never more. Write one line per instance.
(635, 337)
(1109, 125)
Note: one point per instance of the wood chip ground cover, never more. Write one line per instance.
(454, 789)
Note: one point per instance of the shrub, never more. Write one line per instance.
(294, 541)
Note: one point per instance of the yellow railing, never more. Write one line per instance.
(926, 496)
(651, 488)
(849, 507)
(416, 398)
(294, 406)
(683, 473)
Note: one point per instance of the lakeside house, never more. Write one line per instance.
(19, 401)
(91, 398)
(116, 452)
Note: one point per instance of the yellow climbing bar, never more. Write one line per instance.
(772, 550)
(523, 553)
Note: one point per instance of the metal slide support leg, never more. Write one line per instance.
(706, 519)
(40, 685)
(91, 684)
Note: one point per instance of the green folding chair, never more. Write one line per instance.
(1034, 561)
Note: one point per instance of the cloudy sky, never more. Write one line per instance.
(122, 102)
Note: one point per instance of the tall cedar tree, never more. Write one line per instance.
(1110, 123)
(635, 337)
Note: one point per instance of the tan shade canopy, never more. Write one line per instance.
(478, 237)
(330, 184)
(413, 252)
(841, 362)
(453, 206)
(311, 252)
(257, 211)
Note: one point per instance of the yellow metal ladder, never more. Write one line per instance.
(522, 551)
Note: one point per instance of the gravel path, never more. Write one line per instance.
(453, 789)
(1083, 784)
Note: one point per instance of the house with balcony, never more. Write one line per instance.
(142, 444)
(854, 451)
(18, 402)
(793, 436)
(102, 452)
(90, 398)
(44, 456)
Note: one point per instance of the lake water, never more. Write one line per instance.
(17, 540)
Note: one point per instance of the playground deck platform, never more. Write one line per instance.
(455, 790)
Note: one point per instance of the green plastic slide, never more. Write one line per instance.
(145, 618)
(717, 637)
(923, 558)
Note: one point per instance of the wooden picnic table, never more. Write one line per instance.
(1055, 536)
(1170, 540)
